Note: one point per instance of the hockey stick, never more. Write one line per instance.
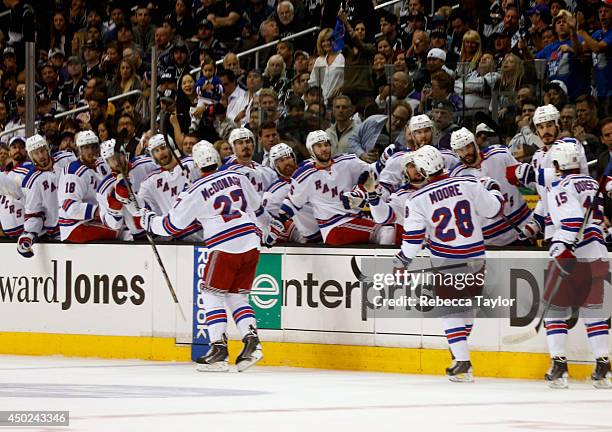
(516, 228)
(124, 173)
(363, 278)
(531, 333)
(176, 152)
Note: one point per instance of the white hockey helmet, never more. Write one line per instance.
(462, 138)
(418, 122)
(204, 154)
(155, 141)
(315, 137)
(35, 142)
(240, 133)
(86, 137)
(566, 154)
(280, 151)
(107, 148)
(546, 113)
(428, 160)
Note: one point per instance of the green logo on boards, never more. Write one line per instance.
(266, 293)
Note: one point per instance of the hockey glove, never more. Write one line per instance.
(564, 258)
(387, 153)
(530, 230)
(608, 186)
(400, 264)
(277, 229)
(146, 218)
(24, 244)
(490, 184)
(122, 193)
(354, 199)
(521, 174)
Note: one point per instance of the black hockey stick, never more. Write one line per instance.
(176, 152)
(124, 173)
(531, 333)
(363, 278)
(516, 228)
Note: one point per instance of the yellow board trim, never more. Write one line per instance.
(319, 356)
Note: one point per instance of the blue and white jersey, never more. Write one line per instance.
(494, 161)
(77, 197)
(322, 188)
(160, 190)
(446, 212)
(261, 176)
(304, 220)
(392, 175)
(41, 197)
(228, 208)
(12, 199)
(568, 199)
(392, 210)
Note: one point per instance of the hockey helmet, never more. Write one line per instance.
(566, 154)
(418, 122)
(204, 154)
(241, 133)
(428, 160)
(315, 137)
(280, 151)
(546, 113)
(35, 142)
(462, 138)
(86, 137)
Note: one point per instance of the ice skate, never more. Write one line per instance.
(251, 352)
(557, 375)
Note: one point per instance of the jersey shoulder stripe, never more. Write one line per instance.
(76, 168)
(60, 155)
(30, 178)
(106, 183)
(304, 172)
(277, 185)
(344, 157)
(152, 174)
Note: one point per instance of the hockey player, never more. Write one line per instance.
(582, 283)
(79, 213)
(227, 206)
(11, 195)
(40, 189)
(115, 206)
(444, 210)
(492, 162)
(421, 134)
(242, 142)
(392, 210)
(540, 172)
(323, 182)
(303, 227)
(162, 187)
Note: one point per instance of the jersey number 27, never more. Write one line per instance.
(225, 202)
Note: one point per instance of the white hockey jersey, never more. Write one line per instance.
(161, 188)
(495, 159)
(261, 176)
(392, 175)
(41, 197)
(322, 188)
(446, 212)
(140, 168)
(77, 196)
(227, 206)
(392, 209)
(12, 199)
(541, 161)
(568, 200)
(123, 223)
(306, 227)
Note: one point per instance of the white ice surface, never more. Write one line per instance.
(134, 395)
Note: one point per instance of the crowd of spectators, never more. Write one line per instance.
(360, 75)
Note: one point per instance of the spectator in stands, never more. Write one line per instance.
(237, 98)
(60, 38)
(51, 85)
(275, 76)
(525, 143)
(204, 40)
(384, 47)
(144, 31)
(268, 137)
(588, 122)
(379, 131)
(223, 148)
(73, 90)
(286, 19)
(471, 51)
(91, 53)
(3, 114)
(300, 62)
(258, 11)
(285, 50)
(182, 19)
(459, 26)
(232, 62)
(416, 58)
(501, 45)
(17, 120)
(126, 132)
(379, 77)
(442, 116)
(602, 163)
(510, 79)
(478, 84)
(105, 131)
(343, 126)
(392, 33)
(328, 71)
(4, 156)
(401, 88)
(268, 102)
(600, 43)
(563, 55)
(299, 85)
(540, 17)
(567, 118)
(180, 59)
(556, 94)
(442, 88)
(226, 20)
(254, 83)
(189, 140)
(126, 80)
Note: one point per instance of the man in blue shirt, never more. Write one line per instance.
(600, 44)
(563, 56)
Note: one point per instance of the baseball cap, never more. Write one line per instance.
(8, 51)
(563, 13)
(483, 128)
(437, 53)
(556, 84)
(169, 95)
(91, 44)
(56, 51)
(301, 53)
(15, 139)
(206, 23)
(442, 104)
(168, 75)
(539, 9)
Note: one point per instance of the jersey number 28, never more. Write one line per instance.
(463, 221)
